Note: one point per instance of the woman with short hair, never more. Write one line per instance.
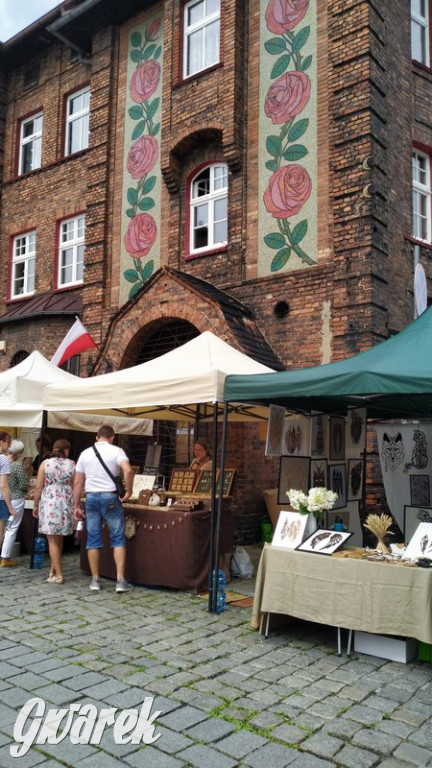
(18, 486)
(6, 508)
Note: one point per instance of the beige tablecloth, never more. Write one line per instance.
(354, 594)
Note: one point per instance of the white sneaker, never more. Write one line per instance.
(123, 586)
(95, 585)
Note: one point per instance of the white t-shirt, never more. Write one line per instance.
(4, 468)
(97, 479)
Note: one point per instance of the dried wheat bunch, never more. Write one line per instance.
(379, 525)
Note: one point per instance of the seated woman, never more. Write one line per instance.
(202, 458)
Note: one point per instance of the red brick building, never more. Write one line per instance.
(258, 170)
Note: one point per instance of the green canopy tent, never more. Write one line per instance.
(392, 380)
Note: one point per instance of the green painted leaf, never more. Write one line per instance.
(280, 66)
(130, 212)
(147, 54)
(131, 275)
(274, 240)
(157, 52)
(294, 153)
(136, 40)
(299, 232)
(132, 196)
(300, 39)
(135, 289)
(155, 129)
(272, 165)
(135, 56)
(298, 129)
(146, 203)
(153, 108)
(148, 270)
(274, 145)
(148, 185)
(136, 112)
(138, 130)
(275, 46)
(280, 259)
(306, 63)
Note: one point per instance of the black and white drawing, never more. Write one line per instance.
(421, 543)
(355, 479)
(420, 490)
(337, 483)
(337, 438)
(324, 542)
(319, 436)
(318, 477)
(419, 456)
(413, 516)
(392, 451)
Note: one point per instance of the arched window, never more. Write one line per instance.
(209, 209)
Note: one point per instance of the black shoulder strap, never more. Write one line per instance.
(103, 464)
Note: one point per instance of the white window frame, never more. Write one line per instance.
(210, 199)
(77, 122)
(72, 243)
(23, 265)
(31, 144)
(202, 29)
(420, 24)
(421, 195)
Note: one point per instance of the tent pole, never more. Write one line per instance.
(220, 501)
(35, 520)
(213, 564)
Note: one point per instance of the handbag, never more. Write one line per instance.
(118, 482)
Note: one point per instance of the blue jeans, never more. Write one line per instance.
(104, 507)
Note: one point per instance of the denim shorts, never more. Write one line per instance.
(4, 510)
(105, 507)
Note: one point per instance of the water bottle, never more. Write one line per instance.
(39, 547)
(79, 531)
(221, 592)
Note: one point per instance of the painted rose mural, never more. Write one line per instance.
(285, 101)
(142, 148)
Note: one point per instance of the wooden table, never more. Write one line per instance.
(344, 592)
(171, 548)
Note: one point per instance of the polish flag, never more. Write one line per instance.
(76, 340)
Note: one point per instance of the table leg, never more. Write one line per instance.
(349, 642)
(267, 626)
(339, 650)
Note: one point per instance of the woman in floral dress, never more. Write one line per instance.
(53, 503)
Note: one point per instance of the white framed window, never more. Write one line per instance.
(23, 265)
(30, 150)
(420, 46)
(77, 121)
(201, 35)
(71, 251)
(421, 181)
(209, 208)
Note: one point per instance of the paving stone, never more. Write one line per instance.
(411, 753)
(241, 743)
(353, 757)
(182, 718)
(28, 760)
(376, 740)
(271, 755)
(211, 730)
(289, 733)
(150, 757)
(322, 745)
(202, 755)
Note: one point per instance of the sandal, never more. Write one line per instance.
(51, 578)
(57, 580)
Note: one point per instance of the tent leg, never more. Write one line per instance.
(219, 506)
(35, 522)
(213, 564)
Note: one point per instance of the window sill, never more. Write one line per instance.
(209, 252)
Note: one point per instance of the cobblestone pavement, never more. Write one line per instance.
(227, 696)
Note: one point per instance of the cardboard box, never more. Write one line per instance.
(424, 652)
(386, 646)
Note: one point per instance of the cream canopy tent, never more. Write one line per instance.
(21, 393)
(178, 385)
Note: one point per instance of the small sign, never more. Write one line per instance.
(420, 289)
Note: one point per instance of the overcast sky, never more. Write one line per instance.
(16, 15)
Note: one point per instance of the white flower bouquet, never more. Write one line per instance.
(317, 501)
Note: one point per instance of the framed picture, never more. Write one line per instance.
(355, 479)
(355, 433)
(142, 483)
(420, 490)
(204, 482)
(319, 436)
(337, 483)
(337, 438)
(421, 543)
(318, 473)
(289, 529)
(275, 430)
(228, 480)
(296, 436)
(324, 542)
(413, 516)
(293, 473)
(331, 515)
(183, 480)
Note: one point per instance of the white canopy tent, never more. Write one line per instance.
(21, 394)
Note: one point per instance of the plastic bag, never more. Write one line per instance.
(241, 564)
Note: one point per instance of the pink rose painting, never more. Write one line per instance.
(287, 96)
(288, 190)
(285, 14)
(144, 150)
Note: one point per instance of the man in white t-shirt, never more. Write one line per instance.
(102, 503)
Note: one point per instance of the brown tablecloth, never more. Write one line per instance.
(170, 548)
(354, 594)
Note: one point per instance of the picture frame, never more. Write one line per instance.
(337, 483)
(355, 479)
(294, 472)
(228, 480)
(337, 438)
(331, 515)
(275, 430)
(420, 490)
(420, 544)
(142, 483)
(296, 436)
(290, 528)
(318, 473)
(324, 542)
(355, 433)
(319, 436)
(204, 482)
(413, 516)
(183, 480)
